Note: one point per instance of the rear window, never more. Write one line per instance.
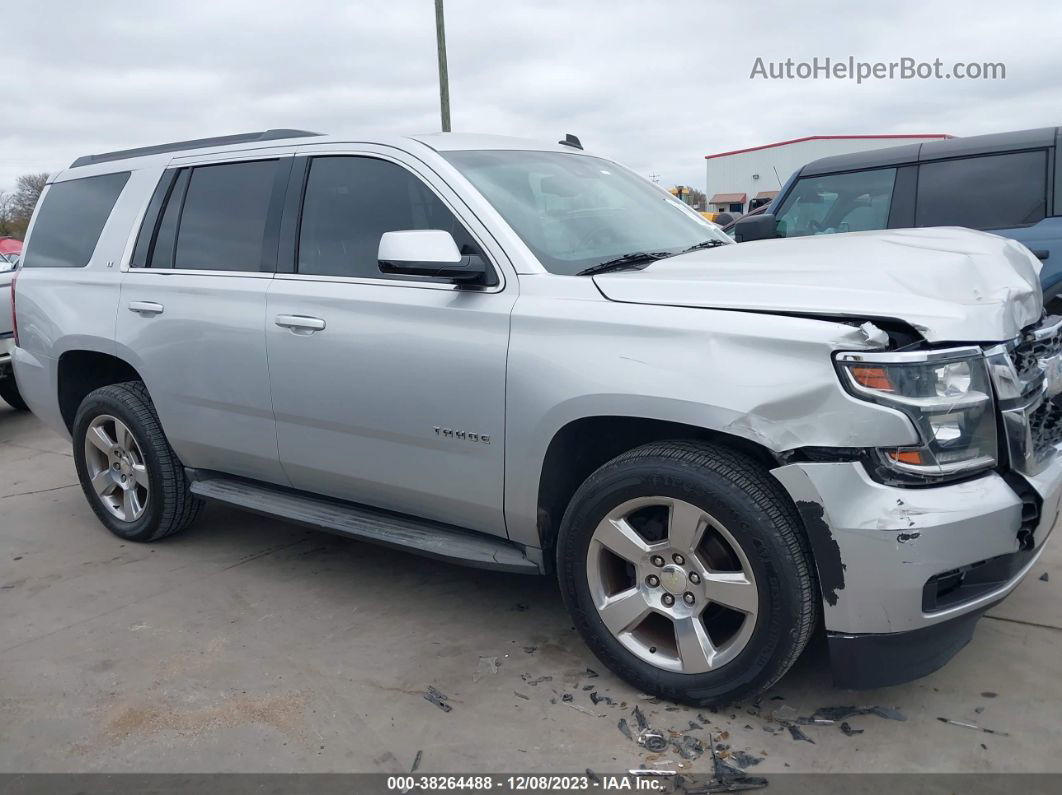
(987, 192)
(223, 219)
(70, 221)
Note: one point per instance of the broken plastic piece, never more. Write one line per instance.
(797, 734)
(639, 718)
(652, 740)
(874, 335)
(688, 747)
(849, 731)
(487, 665)
(745, 759)
(973, 726)
(784, 712)
(437, 698)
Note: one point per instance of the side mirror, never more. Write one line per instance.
(756, 227)
(429, 252)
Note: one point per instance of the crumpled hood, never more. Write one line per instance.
(951, 284)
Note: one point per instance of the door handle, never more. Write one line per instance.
(300, 324)
(146, 307)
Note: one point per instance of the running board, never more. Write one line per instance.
(420, 536)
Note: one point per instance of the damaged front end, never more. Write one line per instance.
(914, 542)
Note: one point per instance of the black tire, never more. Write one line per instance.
(758, 514)
(170, 506)
(9, 392)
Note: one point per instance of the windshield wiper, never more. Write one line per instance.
(711, 243)
(627, 261)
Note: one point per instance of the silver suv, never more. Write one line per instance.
(526, 358)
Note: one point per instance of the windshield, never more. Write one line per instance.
(576, 211)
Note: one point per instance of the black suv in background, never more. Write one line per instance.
(1005, 183)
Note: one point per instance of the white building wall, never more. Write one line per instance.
(768, 168)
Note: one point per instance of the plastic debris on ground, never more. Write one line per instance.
(487, 665)
(437, 698)
(1044, 577)
(745, 759)
(416, 762)
(848, 730)
(973, 726)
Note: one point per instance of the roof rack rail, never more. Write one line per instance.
(199, 143)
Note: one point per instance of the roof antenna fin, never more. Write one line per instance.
(571, 140)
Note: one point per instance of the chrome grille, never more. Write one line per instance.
(1027, 375)
(1031, 350)
(1045, 427)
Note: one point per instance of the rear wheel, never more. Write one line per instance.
(128, 471)
(9, 392)
(685, 570)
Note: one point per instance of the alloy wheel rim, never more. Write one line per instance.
(116, 468)
(672, 584)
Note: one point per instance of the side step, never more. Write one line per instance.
(420, 536)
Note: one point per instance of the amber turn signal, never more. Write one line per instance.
(872, 378)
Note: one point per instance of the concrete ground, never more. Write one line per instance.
(247, 644)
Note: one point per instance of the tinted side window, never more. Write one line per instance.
(223, 218)
(166, 236)
(71, 219)
(351, 201)
(986, 192)
(854, 202)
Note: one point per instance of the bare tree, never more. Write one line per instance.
(6, 229)
(27, 191)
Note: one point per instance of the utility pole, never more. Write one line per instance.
(444, 81)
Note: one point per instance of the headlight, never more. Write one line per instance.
(948, 397)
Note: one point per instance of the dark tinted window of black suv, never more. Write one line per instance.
(988, 192)
(223, 219)
(351, 201)
(70, 221)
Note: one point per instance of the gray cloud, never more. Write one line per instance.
(655, 84)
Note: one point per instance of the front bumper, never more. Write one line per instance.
(906, 572)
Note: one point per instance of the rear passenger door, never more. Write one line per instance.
(192, 311)
(391, 392)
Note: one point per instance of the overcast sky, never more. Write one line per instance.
(656, 85)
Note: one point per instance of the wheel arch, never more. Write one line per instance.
(583, 445)
(79, 372)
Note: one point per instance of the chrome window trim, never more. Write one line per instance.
(190, 272)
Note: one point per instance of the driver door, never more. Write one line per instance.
(392, 393)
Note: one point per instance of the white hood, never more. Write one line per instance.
(952, 284)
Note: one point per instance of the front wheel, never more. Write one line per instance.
(130, 475)
(686, 572)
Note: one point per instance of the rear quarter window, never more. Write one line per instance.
(70, 220)
(984, 192)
